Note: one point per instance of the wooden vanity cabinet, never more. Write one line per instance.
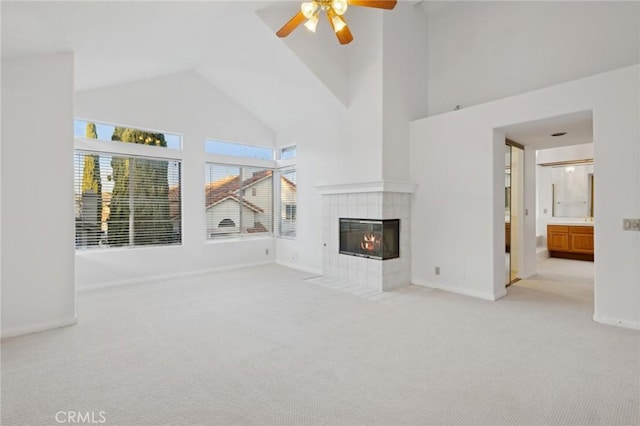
(557, 238)
(570, 241)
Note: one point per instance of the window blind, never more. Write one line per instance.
(288, 202)
(124, 201)
(238, 200)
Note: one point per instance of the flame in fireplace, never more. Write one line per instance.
(370, 242)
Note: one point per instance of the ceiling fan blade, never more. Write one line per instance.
(379, 4)
(293, 23)
(344, 35)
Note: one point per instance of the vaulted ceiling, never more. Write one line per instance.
(232, 46)
(230, 43)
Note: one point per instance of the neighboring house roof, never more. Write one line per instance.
(235, 198)
(288, 182)
(256, 178)
(223, 189)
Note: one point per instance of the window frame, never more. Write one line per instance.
(248, 163)
(101, 147)
(290, 166)
(280, 150)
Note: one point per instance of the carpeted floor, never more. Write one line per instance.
(269, 346)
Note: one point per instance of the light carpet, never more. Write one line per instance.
(265, 346)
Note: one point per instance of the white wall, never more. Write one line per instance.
(37, 199)
(478, 51)
(370, 141)
(458, 210)
(397, 50)
(185, 104)
(361, 149)
(565, 153)
(318, 161)
(320, 51)
(339, 148)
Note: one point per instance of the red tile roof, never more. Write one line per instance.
(287, 181)
(220, 190)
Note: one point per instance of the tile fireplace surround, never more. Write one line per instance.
(371, 200)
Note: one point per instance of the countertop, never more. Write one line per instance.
(569, 223)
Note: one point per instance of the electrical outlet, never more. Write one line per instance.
(266, 251)
(437, 270)
(631, 224)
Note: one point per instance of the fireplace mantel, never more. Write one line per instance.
(361, 187)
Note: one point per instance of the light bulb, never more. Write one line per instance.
(338, 23)
(340, 6)
(307, 8)
(312, 23)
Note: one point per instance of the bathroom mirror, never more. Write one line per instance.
(572, 187)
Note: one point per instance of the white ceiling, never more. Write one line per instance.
(230, 43)
(226, 42)
(578, 126)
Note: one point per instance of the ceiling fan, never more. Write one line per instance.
(334, 9)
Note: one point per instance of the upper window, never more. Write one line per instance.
(126, 201)
(232, 209)
(287, 153)
(238, 150)
(109, 132)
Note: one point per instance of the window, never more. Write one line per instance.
(125, 201)
(287, 153)
(230, 210)
(288, 202)
(290, 210)
(238, 150)
(109, 132)
(226, 223)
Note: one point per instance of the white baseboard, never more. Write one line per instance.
(542, 255)
(632, 325)
(463, 291)
(35, 328)
(527, 274)
(166, 277)
(298, 267)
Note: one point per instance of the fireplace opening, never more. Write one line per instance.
(375, 239)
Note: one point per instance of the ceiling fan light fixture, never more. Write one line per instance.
(308, 8)
(340, 6)
(334, 9)
(312, 23)
(338, 23)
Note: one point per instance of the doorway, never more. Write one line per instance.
(514, 209)
(557, 151)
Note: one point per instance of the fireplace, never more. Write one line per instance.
(374, 239)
